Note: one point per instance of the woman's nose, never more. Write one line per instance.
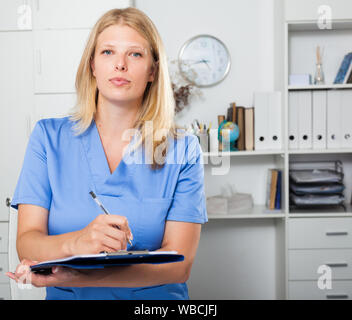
(121, 64)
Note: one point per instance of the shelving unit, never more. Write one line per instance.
(252, 166)
(300, 42)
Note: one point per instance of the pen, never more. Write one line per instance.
(103, 208)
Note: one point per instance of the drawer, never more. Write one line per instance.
(309, 290)
(4, 267)
(304, 264)
(324, 233)
(5, 292)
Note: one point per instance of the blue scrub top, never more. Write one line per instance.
(60, 169)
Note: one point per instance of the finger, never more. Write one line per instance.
(11, 275)
(120, 221)
(116, 244)
(115, 233)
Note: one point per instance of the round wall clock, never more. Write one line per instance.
(204, 61)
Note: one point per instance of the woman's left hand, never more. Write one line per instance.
(60, 276)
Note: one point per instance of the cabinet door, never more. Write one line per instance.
(16, 79)
(48, 14)
(57, 55)
(15, 15)
(4, 237)
(4, 267)
(52, 106)
(317, 10)
(5, 292)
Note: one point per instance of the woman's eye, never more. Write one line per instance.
(136, 54)
(107, 51)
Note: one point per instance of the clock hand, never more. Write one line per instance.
(202, 61)
(206, 62)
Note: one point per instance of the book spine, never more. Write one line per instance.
(273, 189)
(241, 127)
(278, 191)
(343, 69)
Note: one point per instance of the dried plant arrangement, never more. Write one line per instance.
(183, 90)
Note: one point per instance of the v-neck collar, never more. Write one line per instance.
(98, 163)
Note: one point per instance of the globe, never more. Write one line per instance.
(234, 132)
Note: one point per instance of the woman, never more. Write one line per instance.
(156, 197)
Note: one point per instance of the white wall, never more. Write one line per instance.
(250, 30)
(245, 26)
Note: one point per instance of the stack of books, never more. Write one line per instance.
(244, 119)
(273, 199)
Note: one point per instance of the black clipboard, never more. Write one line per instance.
(103, 260)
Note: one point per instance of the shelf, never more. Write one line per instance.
(243, 153)
(319, 151)
(257, 212)
(320, 213)
(313, 26)
(320, 87)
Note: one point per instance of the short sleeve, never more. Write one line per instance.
(33, 186)
(189, 203)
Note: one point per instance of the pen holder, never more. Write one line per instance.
(203, 141)
(213, 140)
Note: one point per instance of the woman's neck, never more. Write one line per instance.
(112, 119)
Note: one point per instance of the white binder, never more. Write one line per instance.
(346, 120)
(305, 120)
(274, 115)
(293, 103)
(334, 119)
(319, 119)
(261, 125)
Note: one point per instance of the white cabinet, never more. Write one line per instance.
(305, 264)
(4, 236)
(320, 233)
(5, 291)
(16, 78)
(312, 10)
(308, 290)
(41, 45)
(15, 15)
(57, 56)
(47, 14)
(314, 243)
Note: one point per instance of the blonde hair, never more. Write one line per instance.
(158, 103)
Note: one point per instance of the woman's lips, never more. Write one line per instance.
(118, 82)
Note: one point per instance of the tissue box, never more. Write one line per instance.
(236, 203)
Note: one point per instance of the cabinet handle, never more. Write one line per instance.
(337, 233)
(39, 61)
(337, 264)
(337, 296)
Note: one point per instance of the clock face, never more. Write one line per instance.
(204, 60)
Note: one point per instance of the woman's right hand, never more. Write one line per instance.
(102, 235)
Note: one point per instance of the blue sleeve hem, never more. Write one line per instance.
(187, 219)
(28, 200)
